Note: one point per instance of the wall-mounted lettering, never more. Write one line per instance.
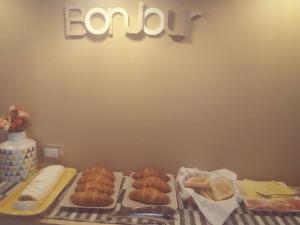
(84, 20)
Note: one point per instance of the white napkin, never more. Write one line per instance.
(216, 212)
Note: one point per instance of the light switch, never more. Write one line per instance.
(53, 151)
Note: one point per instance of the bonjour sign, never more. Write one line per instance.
(78, 16)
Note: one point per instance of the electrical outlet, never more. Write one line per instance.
(54, 151)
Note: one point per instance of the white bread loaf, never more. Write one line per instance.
(197, 182)
(220, 188)
(40, 187)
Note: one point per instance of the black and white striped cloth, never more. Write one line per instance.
(188, 214)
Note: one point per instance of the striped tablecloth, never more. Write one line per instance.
(188, 214)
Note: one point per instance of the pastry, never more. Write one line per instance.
(91, 198)
(96, 178)
(94, 186)
(39, 188)
(154, 182)
(149, 196)
(198, 183)
(147, 172)
(102, 171)
(220, 188)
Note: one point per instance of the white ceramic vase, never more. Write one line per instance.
(18, 157)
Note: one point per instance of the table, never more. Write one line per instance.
(188, 214)
(18, 221)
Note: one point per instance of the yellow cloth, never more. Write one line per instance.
(249, 188)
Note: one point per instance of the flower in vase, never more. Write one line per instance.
(16, 121)
(6, 127)
(5, 123)
(12, 108)
(23, 114)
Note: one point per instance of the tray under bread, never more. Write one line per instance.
(6, 205)
(269, 201)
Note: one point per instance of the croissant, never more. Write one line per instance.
(149, 196)
(96, 178)
(154, 182)
(92, 199)
(94, 186)
(147, 172)
(101, 170)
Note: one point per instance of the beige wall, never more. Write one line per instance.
(228, 97)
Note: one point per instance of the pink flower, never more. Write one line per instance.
(4, 123)
(6, 127)
(23, 114)
(16, 120)
(12, 108)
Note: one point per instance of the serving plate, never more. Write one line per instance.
(127, 202)
(66, 201)
(273, 205)
(6, 205)
(256, 202)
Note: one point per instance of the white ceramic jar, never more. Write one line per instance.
(18, 157)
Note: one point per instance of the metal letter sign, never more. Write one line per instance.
(84, 20)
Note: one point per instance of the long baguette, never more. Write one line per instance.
(40, 187)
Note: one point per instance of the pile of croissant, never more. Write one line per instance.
(151, 187)
(94, 188)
